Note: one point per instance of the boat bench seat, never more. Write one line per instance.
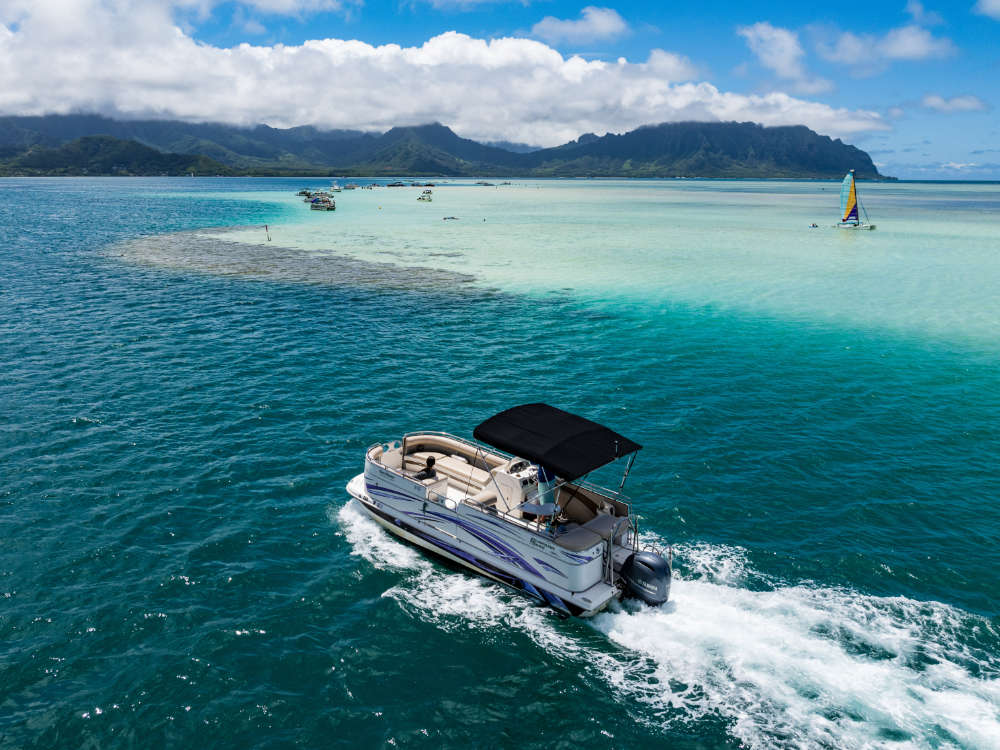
(577, 539)
(603, 525)
(573, 507)
(449, 466)
(589, 534)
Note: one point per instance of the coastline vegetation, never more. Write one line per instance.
(94, 145)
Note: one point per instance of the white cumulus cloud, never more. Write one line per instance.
(914, 43)
(989, 8)
(779, 50)
(470, 4)
(127, 58)
(594, 24)
(921, 15)
(966, 103)
(869, 53)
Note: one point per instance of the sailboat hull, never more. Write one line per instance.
(869, 227)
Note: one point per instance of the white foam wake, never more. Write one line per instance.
(791, 666)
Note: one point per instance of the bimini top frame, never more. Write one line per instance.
(565, 444)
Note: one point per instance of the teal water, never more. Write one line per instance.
(182, 403)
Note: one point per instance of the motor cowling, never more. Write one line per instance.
(647, 577)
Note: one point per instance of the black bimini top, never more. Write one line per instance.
(568, 445)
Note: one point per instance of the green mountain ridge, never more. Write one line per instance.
(105, 155)
(37, 145)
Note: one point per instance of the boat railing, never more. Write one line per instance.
(470, 443)
(605, 491)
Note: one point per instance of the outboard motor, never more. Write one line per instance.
(647, 577)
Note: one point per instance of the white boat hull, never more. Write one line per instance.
(520, 561)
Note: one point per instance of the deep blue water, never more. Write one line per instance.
(179, 563)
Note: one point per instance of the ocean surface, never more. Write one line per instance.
(182, 401)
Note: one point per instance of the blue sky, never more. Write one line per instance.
(913, 83)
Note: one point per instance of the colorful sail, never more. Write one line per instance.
(849, 200)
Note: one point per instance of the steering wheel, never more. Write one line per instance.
(516, 465)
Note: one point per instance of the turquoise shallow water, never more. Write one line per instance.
(182, 403)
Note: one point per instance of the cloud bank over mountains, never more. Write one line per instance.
(130, 58)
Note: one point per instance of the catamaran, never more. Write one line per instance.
(849, 205)
(513, 506)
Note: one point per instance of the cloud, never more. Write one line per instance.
(958, 165)
(667, 65)
(779, 50)
(247, 24)
(989, 8)
(14, 11)
(914, 43)
(594, 24)
(272, 7)
(868, 54)
(921, 15)
(95, 57)
(470, 4)
(966, 103)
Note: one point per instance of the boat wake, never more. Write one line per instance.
(785, 665)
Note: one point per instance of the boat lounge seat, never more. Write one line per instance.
(577, 539)
(452, 467)
(586, 536)
(573, 507)
(603, 525)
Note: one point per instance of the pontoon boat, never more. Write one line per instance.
(513, 506)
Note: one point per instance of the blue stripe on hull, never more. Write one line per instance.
(543, 596)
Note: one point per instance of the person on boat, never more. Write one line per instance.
(428, 471)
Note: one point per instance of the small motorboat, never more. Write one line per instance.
(513, 506)
(425, 196)
(323, 204)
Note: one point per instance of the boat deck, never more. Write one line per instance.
(490, 482)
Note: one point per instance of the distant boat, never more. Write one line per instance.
(334, 188)
(323, 204)
(850, 205)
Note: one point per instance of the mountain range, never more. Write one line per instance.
(93, 144)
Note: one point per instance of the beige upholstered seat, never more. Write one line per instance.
(464, 474)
